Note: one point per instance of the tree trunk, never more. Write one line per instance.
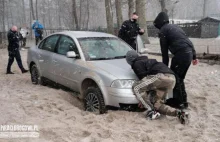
(23, 12)
(140, 9)
(118, 13)
(109, 18)
(80, 14)
(75, 14)
(204, 8)
(3, 15)
(37, 9)
(31, 21)
(11, 14)
(49, 16)
(88, 15)
(59, 15)
(32, 9)
(131, 7)
(7, 15)
(163, 6)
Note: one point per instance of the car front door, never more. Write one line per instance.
(67, 70)
(47, 48)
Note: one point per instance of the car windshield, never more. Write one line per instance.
(103, 48)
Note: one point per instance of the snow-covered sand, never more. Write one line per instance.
(61, 118)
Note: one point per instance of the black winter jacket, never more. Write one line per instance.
(143, 67)
(129, 31)
(13, 41)
(172, 38)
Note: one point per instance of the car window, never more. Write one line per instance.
(41, 44)
(50, 43)
(66, 44)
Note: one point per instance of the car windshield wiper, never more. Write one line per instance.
(109, 58)
(105, 58)
(119, 57)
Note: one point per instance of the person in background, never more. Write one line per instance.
(24, 33)
(174, 39)
(13, 50)
(154, 76)
(130, 30)
(38, 31)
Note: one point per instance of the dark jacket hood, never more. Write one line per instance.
(161, 19)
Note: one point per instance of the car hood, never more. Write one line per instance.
(118, 68)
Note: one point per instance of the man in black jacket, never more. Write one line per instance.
(174, 39)
(130, 30)
(155, 76)
(13, 50)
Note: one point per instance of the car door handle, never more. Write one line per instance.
(54, 61)
(41, 60)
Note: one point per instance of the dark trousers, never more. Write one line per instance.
(38, 38)
(17, 56)
(132, 44)
(180, 65)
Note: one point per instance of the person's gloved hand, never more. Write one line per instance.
(195, 62)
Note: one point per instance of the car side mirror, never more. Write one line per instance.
(71, 54)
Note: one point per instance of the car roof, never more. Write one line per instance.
(85, 34)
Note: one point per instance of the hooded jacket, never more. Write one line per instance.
(37, 26)
(172, 38)
(143, 67)
(13, 41)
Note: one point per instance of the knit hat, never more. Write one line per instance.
(131, 56)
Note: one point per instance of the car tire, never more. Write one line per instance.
(35, 76)
(93, 101)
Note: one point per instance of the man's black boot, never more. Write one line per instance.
(24, 71)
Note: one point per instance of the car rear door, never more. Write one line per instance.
(46, 51)
(67, 70)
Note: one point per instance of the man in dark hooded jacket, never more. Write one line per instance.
(13, 50)
(174, 39)
(130, 30)
(154, 76)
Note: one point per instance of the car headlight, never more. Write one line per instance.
(123, 84)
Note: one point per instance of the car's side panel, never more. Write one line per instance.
(66, 71)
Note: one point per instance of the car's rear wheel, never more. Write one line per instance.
(35, 76)
(93, 101)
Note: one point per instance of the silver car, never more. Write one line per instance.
(90, 63)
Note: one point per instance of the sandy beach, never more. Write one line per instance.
(61, 118)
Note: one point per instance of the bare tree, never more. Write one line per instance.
(3, 15)
(163, 6)
(32, 8)
(23, 11)
(109, 18)
(204, 8)
(36, 9)
(75, 14)
(118, 12)
(88, 14)
(131, 7)
(140, 9)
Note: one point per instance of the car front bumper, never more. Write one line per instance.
(115, 97)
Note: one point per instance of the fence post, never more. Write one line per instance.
(207, 49)
(218, 30)
(1, 36)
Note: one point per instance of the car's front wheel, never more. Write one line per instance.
(35, 76)
(93, 101)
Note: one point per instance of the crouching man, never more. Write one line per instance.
(154, 76)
